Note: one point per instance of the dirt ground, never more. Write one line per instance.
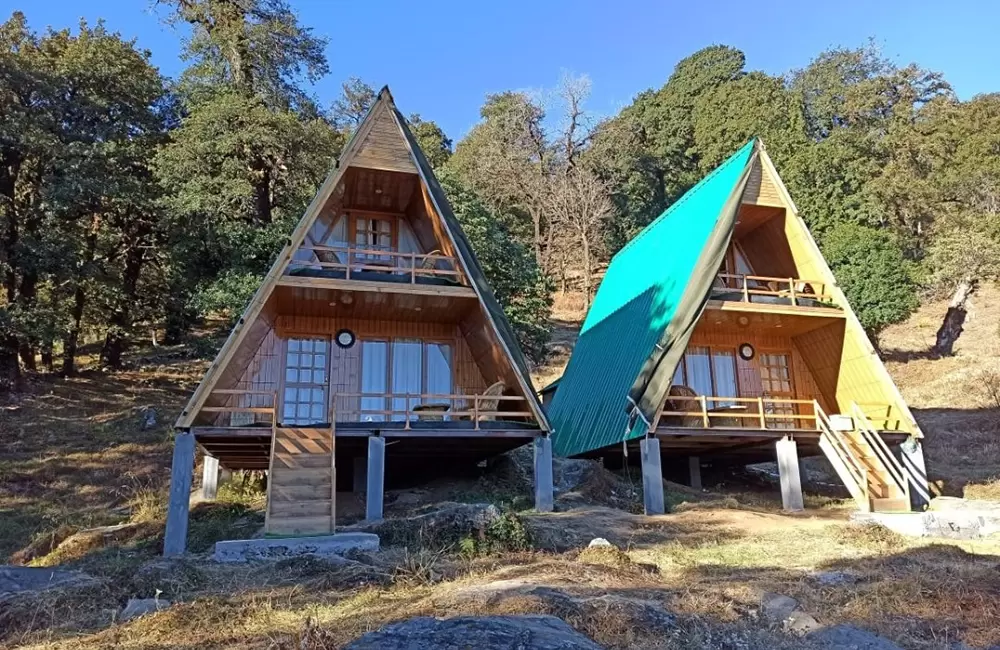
(83, 484)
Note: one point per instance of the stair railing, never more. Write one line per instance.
(870, 435)
(857, 473)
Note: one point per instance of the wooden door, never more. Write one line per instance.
(776, 382)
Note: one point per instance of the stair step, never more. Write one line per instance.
(299, 525)
(304, 508)
(295, 493)
(287, 476)
(891, 504)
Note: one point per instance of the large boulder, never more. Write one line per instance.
(20, 581)
(461, 632)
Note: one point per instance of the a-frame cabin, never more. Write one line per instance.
(719, 334)
(374, 350)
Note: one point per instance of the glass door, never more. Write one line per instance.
(407, 376)
(304, 399)
(374, 380)
(776, 382)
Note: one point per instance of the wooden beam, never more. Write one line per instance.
(371, 286)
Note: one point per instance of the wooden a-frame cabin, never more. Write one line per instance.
(373, 351)
(719, 334)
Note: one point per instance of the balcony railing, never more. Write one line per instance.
(352, 261)
(255, 408)
(428, 407)
(763, 289)
(710, 412)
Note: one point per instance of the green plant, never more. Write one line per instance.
(504, 534)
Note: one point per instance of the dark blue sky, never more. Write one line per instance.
(441, 58)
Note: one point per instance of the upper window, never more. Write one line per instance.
(375, 233)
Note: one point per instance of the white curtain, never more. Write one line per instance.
(724, 371)
(407, 375)
(374, 378)
(699, 371)
(439, 373)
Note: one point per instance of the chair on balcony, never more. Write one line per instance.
(489, 402)
(684, 405)
(429, 262)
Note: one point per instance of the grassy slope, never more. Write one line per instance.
(76, 456)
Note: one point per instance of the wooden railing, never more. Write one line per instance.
(351, 260)
(257, 399)
(838, 451)
(385, 407)
(867, 430)
(741, 412)
(412, 407)
(793, 291)
(883, 417)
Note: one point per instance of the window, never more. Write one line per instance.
(709, 371)
(304, 399)
(374, 234)
(776, 381)
(403, 367)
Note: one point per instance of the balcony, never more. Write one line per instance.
(379, 265)
(764, 290)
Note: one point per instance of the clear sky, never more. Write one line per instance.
(442, 57)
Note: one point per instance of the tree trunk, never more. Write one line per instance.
(26, 350)
(72, 340)
(116, 339)
(10, 368)
(954, 319)
(262, 193)
(585, 244)
(536, 222)
(48, 356)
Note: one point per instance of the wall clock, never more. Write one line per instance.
(746, 351)
(344, 338)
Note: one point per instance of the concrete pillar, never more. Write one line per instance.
(912, 456)
(652, 476)
(359, 479)
(210, 478)
(544, 499)
(376, 478)
(181, 474)
(788, 475)
(694, 468)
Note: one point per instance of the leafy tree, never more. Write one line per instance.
(432, 139)
(348, 110)
(518, 284)
(874, 274)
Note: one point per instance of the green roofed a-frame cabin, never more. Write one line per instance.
(374, 352)
(719, 334)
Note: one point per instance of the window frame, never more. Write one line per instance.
(299, 385)
(356, 218)
(452, 344)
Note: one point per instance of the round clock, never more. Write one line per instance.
(746, 351)
(344, 338)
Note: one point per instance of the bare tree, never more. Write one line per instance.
(579, 207)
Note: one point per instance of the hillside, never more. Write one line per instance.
(83, 483)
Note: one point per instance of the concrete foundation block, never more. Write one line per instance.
(243, 550)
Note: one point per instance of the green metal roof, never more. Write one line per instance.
(641, 319)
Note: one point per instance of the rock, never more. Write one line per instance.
(646, 615)
(460, 632)
(848, 637)
(18, 581)
(326, 546)
(148, 418)
(834, 578)
(137, 607)
(438, 525)
(599, 541)
(800, 623)
(776, 608)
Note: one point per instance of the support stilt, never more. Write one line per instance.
(181, 474)
(912, 455)
(788, 475)
(652, 476)
(544, 500)
(210, 478)
(376, 478)
(694, 467)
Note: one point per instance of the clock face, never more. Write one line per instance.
(746, 351)
(344, 338)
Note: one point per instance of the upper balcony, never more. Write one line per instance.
(769, 292)
(362, 263)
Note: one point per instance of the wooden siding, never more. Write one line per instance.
(761, 188)
(767, 250)
(804, 384)
(384, 147)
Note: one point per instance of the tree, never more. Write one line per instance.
(874, 275)
(432, 140)
(517, 282)
(356, 98)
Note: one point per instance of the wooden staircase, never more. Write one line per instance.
(865, 464)
(301, 486)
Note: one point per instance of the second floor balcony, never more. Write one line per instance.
(377, 264)
(765, 290)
